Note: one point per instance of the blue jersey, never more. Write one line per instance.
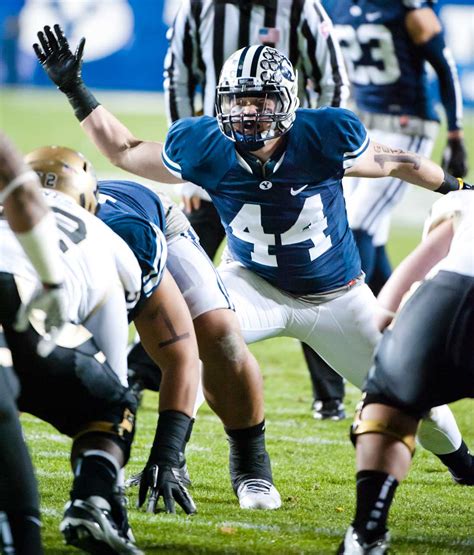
(135, 213)
(386, 70)
(289, 225)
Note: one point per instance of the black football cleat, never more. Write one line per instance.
(329, 410)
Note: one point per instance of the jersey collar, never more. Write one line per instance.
(260, 169)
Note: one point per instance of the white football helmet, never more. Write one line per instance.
(256, 96)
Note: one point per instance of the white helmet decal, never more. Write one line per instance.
(265, 77)
(276, 67)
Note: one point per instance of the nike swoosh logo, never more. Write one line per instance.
(373, 16)
(295, 192)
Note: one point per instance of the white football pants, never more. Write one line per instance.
(341, 330)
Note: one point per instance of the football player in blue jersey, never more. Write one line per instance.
(386, 45)
(274, 174)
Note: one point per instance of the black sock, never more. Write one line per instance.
(375, 491)
(94, 474)
(25, 527)
(248, 457)
(460, 463)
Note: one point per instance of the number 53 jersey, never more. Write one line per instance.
(386, 71)
(285, 220)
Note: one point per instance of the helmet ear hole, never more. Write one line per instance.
(67, 171)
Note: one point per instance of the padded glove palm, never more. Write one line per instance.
(62, 66)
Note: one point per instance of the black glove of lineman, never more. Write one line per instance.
(455, 158)
(161, 481)
(62, 66)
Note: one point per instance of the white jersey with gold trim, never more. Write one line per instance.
(458, 206)
(95, 259)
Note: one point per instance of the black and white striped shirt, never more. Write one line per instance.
(206, 32)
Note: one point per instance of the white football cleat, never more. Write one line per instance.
(352, 544)
(255, 493)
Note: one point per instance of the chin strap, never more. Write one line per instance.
(252, 146)
(247, 145)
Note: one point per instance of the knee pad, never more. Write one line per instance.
(360, 427)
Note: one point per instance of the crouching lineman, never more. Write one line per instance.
(32, 222)
(221, 345)
(424, 361)
(80, 385)
(161, 317)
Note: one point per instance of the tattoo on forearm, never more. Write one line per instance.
(175, 337)
(387, 154)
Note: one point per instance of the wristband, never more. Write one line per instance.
(41, 244)
(450, 183)
(170, 438)
(16, 182)
(81, 100)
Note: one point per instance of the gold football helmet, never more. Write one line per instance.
(65, 170)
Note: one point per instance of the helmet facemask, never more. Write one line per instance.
(252, 109)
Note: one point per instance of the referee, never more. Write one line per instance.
(204, 34)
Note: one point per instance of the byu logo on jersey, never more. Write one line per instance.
(265, 185)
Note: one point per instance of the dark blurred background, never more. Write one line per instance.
(126, 39)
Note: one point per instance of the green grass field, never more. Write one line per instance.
(313, 462)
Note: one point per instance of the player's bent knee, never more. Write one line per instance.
(382, 426)
(232, 347)
(220, 339)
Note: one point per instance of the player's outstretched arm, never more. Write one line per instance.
(381, 161)
(111, 137)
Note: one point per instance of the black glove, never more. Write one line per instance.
(161, 481)
(62, 66)
(64, 69)
(455, 158)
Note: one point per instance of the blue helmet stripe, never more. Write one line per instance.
(253, 68)
(240, 67)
